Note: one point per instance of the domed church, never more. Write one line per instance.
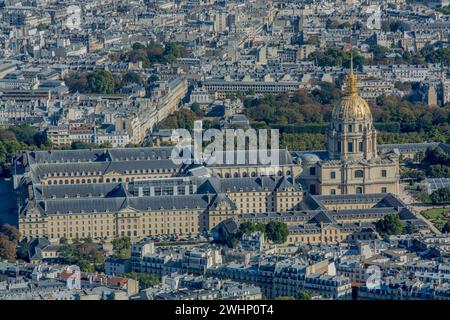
(352, 164)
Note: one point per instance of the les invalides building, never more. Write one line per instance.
(352, 164)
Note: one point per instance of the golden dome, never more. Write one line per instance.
(352, 106)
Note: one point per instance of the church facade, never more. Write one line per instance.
(352, 163)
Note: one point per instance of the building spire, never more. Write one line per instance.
(351, 78)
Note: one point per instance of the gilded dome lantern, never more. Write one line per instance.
(351, 135)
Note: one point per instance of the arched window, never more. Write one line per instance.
(236, 175)
(253, 174)
(227, 175)
(359, 174)
(244, 174)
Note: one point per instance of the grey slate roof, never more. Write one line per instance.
(92, 205)
(242, 158)
(103, 167)
(249, 184)
(91, 155)
(107, 190)
(221, 198)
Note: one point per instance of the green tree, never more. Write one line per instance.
(410, 229)
(249, 227)
(122, 247)
(284, 298)
(11, 232)
(86, 266)
(132, 77)
(183, 118)
(195, 107)
(439, 55)
(394, 26)
(277, 232)
(438, 171)
(145, 280)
(443, 10)
(335, 57)
(101, 81)
(96, 257)
(22, 250)
(441, 195)
(436, 156)
(305, 295)
(76, 82)
(76, 145)
(446, 227)
(390, 225)
(7, 248)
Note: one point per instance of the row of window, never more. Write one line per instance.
(358, 173)
(359, 190)
(351, 128)
(252, 174)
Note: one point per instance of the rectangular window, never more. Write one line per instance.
(333, 191)
(333, 175)
(312, 171)
(383, 173)
(350, 147)
(339, 147)
(361, 147)
(383, 190)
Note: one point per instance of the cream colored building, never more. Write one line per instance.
(352, 164)
(179, 205)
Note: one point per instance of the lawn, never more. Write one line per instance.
(438, 216)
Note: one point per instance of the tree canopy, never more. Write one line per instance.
(305, 295)
(16, 138)
(122, 247)
(154, 53)
(145, 280)
(441, 195)
(9, 238)
(335, 57)
(277, 232)
(390, 225)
